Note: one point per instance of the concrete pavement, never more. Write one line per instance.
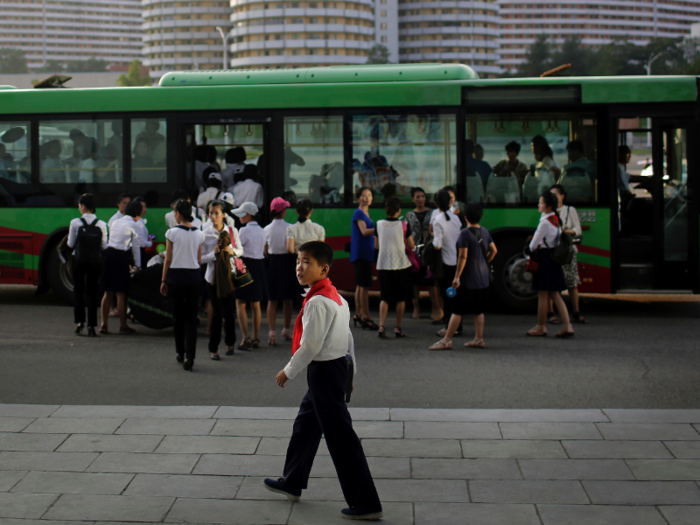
(66, 464)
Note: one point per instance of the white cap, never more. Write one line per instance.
(215, 175)
(228, 198)
(246, 207)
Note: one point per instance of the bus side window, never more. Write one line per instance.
(148, 150)
(15, 161)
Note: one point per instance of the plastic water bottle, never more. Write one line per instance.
(451, 292)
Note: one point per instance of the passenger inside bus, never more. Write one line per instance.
(578, 177)
(142, 160)
(52, 167)
(511, 165)
(117, 139)
(153, 138)
(235, 162)
(475, 166)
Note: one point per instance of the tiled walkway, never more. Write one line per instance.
(61, 464)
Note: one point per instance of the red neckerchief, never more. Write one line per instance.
(554, 221)
(325, 288)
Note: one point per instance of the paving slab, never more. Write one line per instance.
(144, 463)
(412, 448)
(649, 431)
(60, 461)
(123, 411)
(171, 426)
(240, 465)
(16, 410)
(229, 512)
(253, 427)
(73, 483)
(71, 425)
(109, 508)
(512, 448)
(328, 513)
(319, 489)
(10, 478)
(423, 468)
(31, 442)
(30, 506)
(574, 469)
(15, 424)
(550, 431)
(527, 491)
(683, 449)
(662, 469)
(681, 515)
(256, 413)
(369, 414)
(379, 429)
(646, 415)
(477, 415)
(599, 515)
(451, 430)
(475, 514)
(642, 492)
(14, 521)
(208, 445)
(387, 468)
(211, 487)
(109, 443)
(616, 449)
(435, 490)
(270, 446)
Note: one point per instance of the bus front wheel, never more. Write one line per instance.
(512, 285)
(59, 278)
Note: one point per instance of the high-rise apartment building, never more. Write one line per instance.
(596, 22)
(72, 29)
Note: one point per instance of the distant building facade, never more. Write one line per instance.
(65, 30)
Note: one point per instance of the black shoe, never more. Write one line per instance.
(214, 357)
(444, 320)
(79, 328)
(354, 513)
(188, 365)
(229, 352)
(91, 331)
(278, 486)
(180, 358)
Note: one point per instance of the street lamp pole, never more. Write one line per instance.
(224, 38)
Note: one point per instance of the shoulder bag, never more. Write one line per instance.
(410, 253)
(477, 233)
(240, 275)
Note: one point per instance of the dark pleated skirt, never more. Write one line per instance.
(282, 284)
(396, 285)
(257, 290)
(115, 271)
(549, 276)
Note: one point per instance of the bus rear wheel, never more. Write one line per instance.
(512, 285)
(59, 278)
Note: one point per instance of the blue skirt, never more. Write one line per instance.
(549, 276)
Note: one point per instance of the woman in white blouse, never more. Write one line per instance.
(548, 280)
(446, 228)
(304, 230)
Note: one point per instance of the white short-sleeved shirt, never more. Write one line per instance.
(209, 246)
(75, 225)
(115, 217)
(253, 240)
(276, 237)
(123, 235)
(445, 237)
(143, 233)
(305, 231)
(186, 243)
(546, 231)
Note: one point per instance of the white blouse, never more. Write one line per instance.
(253, 240)
(305, 231)
(211, 239)
(446, 234)
(186, 245)
(392, 246)
(115, 217)
(75, 225)
(143, 233)
(276, 237)
(546, 231)
(123, 235)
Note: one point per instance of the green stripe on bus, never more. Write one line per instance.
(149, 308)
(598, 260)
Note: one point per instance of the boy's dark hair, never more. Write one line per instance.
(319, 250)
(559, 188)
(575, 145)
(359, 191)
(513, 146)
(415, 190)
(121, 197)
(134, 209)
(392, 205)
(184, 208)
(87, 200)
(474, 213)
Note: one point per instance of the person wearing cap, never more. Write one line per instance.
(253, 241)
(213, 191)
(282, 284)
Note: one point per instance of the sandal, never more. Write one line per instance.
(553, 319)
(103, 329)
(272, 338)
(245, 344)
(229, 350)
(536, 332)
(581, 319)
(370, 324)
(286, 336)
(398, 333)
(256, 343)
(565, 333)
(381, 333)
(475, 344)
(441, 345)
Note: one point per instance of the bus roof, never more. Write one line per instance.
(426, 85)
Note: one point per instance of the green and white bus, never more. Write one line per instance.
(322, 132)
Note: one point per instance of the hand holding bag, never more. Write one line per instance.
(410, 252)
(239, 273)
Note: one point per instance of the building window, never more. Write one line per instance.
(383, 25)
(383, 39)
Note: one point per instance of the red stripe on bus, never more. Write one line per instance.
(36, 244)
(593, 251)
(338, 243)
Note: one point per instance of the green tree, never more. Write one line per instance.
(12, 60)
(619, 58)
(91, 65)
(134, 77)
(672, 60)
(538, 58)
(51, 66)
(378, 54)
(572, 52)
(693, 68)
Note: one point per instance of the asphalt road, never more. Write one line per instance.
(637, 352)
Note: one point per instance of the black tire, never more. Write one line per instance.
(60, 280)
(511, 287)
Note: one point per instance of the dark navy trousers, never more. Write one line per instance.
(323, 412)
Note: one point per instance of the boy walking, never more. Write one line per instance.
(321, 340)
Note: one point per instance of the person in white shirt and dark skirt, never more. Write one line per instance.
(253, 242)
(548, 280)
(123, 239)
(218, 277)
(393, 264)
(446, 227)
(88, 235)
(282, 283)
(304, 230)
(122, 202)
(182, 280)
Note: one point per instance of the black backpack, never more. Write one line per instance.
(89, 243)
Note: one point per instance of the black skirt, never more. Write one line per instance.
(115, 271)
(469, 301)
(282, 284)
(396, 285)
(549, 277)
(363, 273)
(257, 290)
(420, 278)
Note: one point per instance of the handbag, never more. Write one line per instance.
(576, 239)
(240, 276)
(410, 253)
(532, 265)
